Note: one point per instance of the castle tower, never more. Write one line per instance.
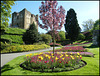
(24, 19)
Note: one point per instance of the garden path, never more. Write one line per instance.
(10, 56)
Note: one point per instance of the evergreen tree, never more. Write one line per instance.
(31, 35)
(71, 25)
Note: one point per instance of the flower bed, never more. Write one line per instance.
(72, 49)
(51, 44)
(46, 62)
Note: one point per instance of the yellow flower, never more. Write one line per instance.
(73, 58)
(78, 53)
(46, 55)
(56, 58)
(63, 58)
(41, 58)
(35, 53)
(77, 56)
(49, 57)
(52, 56)
(71, 52)
(48, 52)
(26, 55)
(67, 55)
(30, 53)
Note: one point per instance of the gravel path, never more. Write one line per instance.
(10, 56)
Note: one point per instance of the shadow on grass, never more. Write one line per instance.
(6, 68)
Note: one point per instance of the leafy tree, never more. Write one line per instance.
(46, 38)
(51, 17)
(5, 13)
(71, 25)
(96, 25)
(88, 25)
(62, 35)
(31, 35)
(57, 37)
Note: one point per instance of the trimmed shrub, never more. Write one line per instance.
(22, 48)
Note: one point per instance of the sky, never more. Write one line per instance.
(85, 10)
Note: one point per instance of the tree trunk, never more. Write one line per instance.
(53, 42)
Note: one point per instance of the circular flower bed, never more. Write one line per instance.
(46, 62)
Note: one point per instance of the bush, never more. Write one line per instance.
(31, 35)
(81, 37)
(46, 38)
(62, 35)
(20, 48)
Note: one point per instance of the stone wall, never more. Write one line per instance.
(24, 19)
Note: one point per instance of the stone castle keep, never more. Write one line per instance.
(23, 19)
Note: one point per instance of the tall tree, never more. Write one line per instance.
(51, 17)
(96, 25)
(88, 25)
(71, 25)
(31, 35)
(5, 13)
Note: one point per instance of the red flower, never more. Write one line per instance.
(52, 60)
(81, 57)
(45, 61)
(60, 62)
(67, 62)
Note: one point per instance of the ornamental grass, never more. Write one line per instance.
(47, 62)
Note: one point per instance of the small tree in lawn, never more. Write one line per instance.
(51, 17)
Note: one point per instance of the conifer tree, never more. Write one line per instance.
(31, 35)
(71, 25)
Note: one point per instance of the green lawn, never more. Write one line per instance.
(92, 67)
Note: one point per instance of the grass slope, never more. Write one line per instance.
(92, 67)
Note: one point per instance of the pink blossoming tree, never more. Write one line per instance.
(51, 16)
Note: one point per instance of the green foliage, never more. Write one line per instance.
(46, 38)
(31, 35)
(14, 31)
(96, 25)
(3, 45)
(5, 13)
(13, 38)
(62, 35)
(20, 48)
(71, 25)
(81, 36)
(88, 25)
(4, 39)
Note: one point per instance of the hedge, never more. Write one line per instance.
(21, 48)
(14, 38)
(15, 31)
